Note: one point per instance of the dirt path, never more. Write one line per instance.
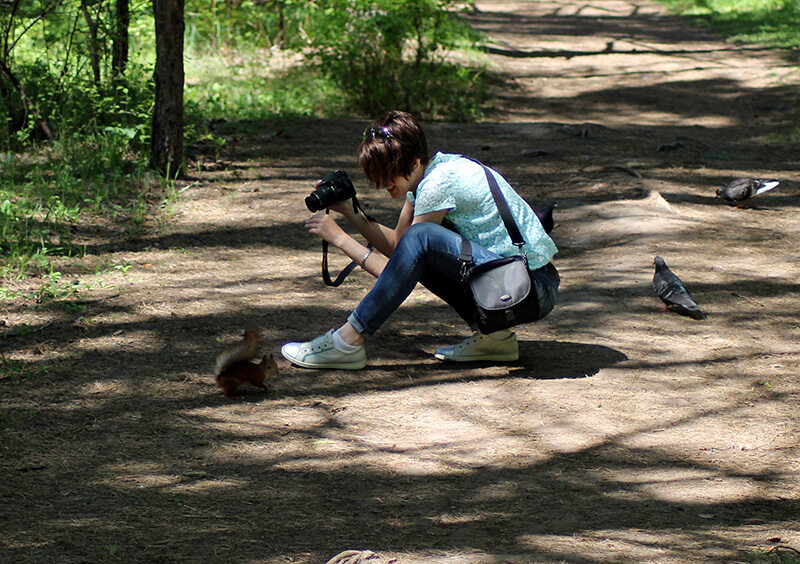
(623, 434)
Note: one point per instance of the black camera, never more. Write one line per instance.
(335, 187)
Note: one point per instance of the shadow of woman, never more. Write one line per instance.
(547, 360)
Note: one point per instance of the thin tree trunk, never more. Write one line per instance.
(29, 104)
(167, 134)
(119, 51)
(281, 39)
(94, 50)
(8, 44)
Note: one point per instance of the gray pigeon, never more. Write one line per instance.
(672, 292)
(742, 189)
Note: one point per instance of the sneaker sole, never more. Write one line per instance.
(340, 366)
(506, 357)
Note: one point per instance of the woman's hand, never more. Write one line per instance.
(344, 207)
(323, 225)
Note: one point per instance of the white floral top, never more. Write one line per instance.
(458, 185)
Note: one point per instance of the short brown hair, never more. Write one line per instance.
(391, 145)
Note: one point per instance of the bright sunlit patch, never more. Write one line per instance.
(201, 486)
(138, 476)
(698, 487)
(110, 387)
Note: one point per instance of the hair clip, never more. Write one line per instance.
(378, 132)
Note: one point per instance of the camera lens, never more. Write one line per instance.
(313, 202)
(335, 187)
(321, 198)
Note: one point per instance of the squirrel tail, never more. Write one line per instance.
(243, 350)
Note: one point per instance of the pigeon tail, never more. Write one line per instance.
(545, 215)
(687, 310)
(766, 186)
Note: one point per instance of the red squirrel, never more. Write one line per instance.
(234, 367)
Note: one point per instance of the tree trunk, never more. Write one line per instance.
(119, 50)
(41, 124)
(7, 43)
(94, 50)
(281, 39)
(167, 135)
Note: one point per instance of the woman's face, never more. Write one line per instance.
(400, 185)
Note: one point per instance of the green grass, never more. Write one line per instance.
(46, 191)
(773, 23)
(255, 85)
(777, 555)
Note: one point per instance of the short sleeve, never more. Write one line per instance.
(436, 191)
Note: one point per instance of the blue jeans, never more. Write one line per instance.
(427, 253)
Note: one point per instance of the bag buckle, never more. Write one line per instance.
(465, 266)
(523, 254)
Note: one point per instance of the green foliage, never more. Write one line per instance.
(244, 61)
(97, 157)
(242, 74)
(43, 194)
(774, 23)
(213, 26)
(778, 555)
(390, 54)
(253, 86)
(16, 370)
(79, 107)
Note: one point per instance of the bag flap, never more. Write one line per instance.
(504, 283)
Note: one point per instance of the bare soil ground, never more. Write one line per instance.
(623, 434)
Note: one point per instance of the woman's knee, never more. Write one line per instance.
(422, 230)
(417, 238)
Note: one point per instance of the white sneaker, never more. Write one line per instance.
(481, 347)
(320, 353)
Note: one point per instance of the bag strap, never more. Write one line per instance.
(465, 258)
(502, 207)
(505, 214)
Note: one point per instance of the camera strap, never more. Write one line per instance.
(326, 276)
(357, 208)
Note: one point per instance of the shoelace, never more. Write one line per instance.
(471, 340)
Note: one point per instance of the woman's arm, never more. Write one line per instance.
(431, 217)
(383, 238)
(323, 225)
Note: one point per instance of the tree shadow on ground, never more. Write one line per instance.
(163, 477)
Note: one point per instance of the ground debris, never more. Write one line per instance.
(358, 556)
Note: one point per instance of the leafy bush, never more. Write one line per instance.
(390, 54)
(99, 152)
(250, 88)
